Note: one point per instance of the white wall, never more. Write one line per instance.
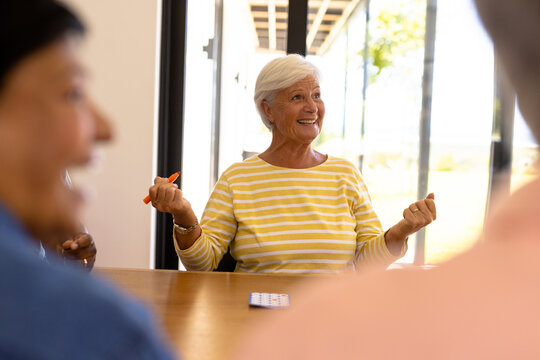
(120, 52)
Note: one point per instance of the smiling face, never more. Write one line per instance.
(296, 112)
(47, 124)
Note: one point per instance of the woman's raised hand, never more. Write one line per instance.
(418, 215)
(415, 217)
(167, 197)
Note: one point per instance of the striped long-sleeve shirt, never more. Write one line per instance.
(282, 220)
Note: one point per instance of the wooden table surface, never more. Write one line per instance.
(204, 313)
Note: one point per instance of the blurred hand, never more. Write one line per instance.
(418, 215)
(167, 197)
(81, 248)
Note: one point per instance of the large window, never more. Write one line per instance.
(379, 129)
(251, 34)
(254, 33)
(461, 129)
(371, 56)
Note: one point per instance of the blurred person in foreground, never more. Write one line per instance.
(47, 124)
(480, 305)
(289, 209)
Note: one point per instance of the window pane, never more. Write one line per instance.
(382, 137)
(387, 147)
(254, 32)
(198, 104)
(461, 129)
(525, 154)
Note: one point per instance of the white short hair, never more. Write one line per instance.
(279, 74)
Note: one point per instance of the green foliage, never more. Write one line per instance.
(324, 137)
(446, 162)
(388, 160)
(398, 28)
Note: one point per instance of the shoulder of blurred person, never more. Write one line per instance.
(482, 304)
(517, 218)
(53, 312)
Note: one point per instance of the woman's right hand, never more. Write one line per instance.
(167, 197)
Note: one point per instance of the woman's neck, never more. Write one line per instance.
(294, 157)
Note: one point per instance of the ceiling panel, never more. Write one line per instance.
(325, 20)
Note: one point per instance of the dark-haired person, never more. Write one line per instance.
(48, 124)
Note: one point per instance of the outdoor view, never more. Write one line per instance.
(371, 120)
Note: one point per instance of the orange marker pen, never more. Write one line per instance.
(172, 178)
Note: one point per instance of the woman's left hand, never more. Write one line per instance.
(415, 217)
(418, 215)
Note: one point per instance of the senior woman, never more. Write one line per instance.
(290, 209)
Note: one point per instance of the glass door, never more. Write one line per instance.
(371, 56)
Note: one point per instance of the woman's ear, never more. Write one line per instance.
(267, 110)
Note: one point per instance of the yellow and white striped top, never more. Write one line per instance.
(282, 220)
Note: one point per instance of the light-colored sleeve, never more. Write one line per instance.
(371, 249)
(218, 225)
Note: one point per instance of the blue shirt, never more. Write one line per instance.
(52, 311)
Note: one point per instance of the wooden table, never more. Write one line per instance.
(204, 313)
